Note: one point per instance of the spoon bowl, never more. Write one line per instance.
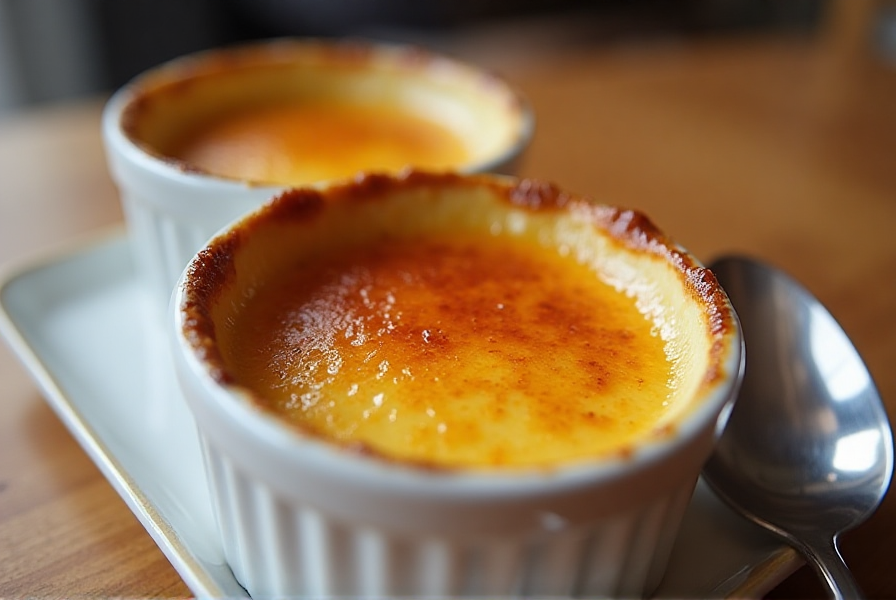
(807, 452)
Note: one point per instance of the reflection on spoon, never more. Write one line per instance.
(808, 449)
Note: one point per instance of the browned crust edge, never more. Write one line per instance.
(212, 268)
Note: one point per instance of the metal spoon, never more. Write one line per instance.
(808, 450)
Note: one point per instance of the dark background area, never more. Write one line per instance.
(52, 50)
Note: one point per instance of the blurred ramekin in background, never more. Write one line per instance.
(173, 207)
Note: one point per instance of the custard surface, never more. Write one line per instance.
(456, 352)
(302, 142)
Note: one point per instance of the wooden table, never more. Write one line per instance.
(776, 148)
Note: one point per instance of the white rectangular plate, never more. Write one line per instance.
(78, 322)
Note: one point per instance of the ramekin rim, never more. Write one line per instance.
(710, 413)
(128, 149)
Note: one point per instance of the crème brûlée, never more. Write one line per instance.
(295, 112)
(304, 142)
(457, 322)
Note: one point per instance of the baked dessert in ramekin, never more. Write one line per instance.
(440, 385)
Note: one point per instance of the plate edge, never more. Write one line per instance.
(183, 561)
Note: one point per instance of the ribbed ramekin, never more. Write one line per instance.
(301, 516)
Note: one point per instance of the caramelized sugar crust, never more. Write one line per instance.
(304, 142)
(193, 113)
(457, 352)
(570, 362)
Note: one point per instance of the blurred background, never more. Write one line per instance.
(53, 50)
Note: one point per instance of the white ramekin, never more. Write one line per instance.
(302, 517)
(172, 209)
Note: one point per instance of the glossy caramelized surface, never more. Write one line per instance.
(303, 142)
(299, 111)
(449, 321)
(459, 352)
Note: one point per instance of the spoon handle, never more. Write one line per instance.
(824, 556)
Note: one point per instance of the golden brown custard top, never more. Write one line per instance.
(304, 142)
(289, 112)
(458, 321)
(457, 352)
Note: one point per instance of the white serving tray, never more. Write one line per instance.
(78, 321)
